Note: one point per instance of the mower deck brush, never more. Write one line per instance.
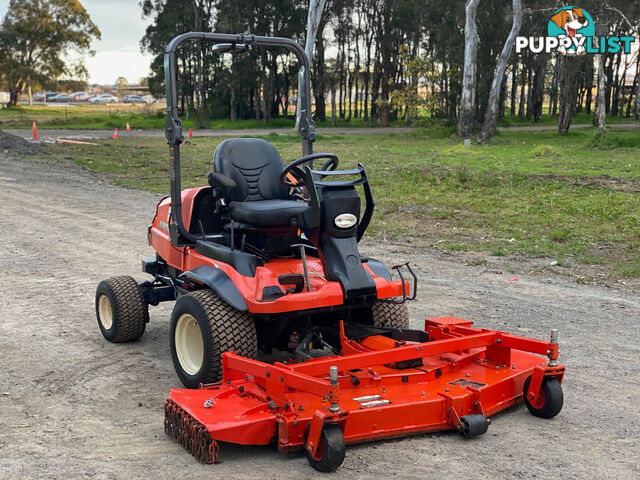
(454, 377)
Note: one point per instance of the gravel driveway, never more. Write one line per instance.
(73, 405)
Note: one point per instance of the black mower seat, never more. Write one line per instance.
(258, 198)
(267, 213)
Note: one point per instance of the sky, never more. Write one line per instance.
(118, 53)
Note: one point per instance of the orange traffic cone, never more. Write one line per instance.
(35, 131)
(190, 133)
(115, 134)
(128, 127)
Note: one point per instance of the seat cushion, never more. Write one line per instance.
(266, 213)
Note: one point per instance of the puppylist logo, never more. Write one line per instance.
(571, 31)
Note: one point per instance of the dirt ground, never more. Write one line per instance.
(73, 405)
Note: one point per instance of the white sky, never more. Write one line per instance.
(118, 53)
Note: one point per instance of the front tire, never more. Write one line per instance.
(121, 310)
(391, 315)
(203, 327)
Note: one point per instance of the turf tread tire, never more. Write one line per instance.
(391, 315)
(130, 311)
(229, 330)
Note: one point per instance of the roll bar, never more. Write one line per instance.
(173, 131)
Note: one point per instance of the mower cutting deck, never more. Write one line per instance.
(399, 382)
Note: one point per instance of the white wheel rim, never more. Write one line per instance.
(106, 312)
(189, 344)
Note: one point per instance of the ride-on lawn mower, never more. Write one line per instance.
(266, 257)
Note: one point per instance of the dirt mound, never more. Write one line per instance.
(13, 145)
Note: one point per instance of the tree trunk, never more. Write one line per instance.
(319, 78)
(467, 116)
(567, 93)
(538, 87)
(314, 15)
(637, 104)
(600, 117)
(514, 86)
(490, 118)
(525, 70)
(633, 90)
(200, 90)
(333, 103)
(553, 103)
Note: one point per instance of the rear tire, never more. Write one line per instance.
(390, 315)
(121, 310)
(203, 327)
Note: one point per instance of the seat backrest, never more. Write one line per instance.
(255, 165)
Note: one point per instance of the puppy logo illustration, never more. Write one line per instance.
(571, 25)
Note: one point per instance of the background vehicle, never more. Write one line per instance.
(149, 99)
(85, 97)
(75, 95)
(50, 95)
(63, 97)
(133, 99)
(104, 98)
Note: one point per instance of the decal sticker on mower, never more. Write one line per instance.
(369, 401)
(467, 383)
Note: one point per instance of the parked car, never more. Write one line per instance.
(4, 97)
(74, 96)
(104, 98)
(63, 97)
(38, 97)
(50, 95)
(133, 99)
(149, 99)
(85, 97)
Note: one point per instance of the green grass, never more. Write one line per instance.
(82, 116)
(578, 119)
(528, 193)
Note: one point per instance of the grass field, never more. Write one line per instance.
(571, 199)
(83, 116)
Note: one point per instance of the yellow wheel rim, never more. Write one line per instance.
(189, 344)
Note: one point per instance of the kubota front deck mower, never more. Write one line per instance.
(266, 257)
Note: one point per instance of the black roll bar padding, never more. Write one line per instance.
(370, 205)
(173, 131)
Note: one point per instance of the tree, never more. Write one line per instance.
(467, 117)
(490, 119)
(34, 37)
(316, 7)
(121, 83)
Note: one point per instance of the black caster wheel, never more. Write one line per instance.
(550, 398)
(330, 452)
(473, 425)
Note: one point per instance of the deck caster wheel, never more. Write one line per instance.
(121, 310)
(550, 398)
(473, 425)
(330, 452)
(203, 327)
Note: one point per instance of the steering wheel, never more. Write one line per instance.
(297, 172)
